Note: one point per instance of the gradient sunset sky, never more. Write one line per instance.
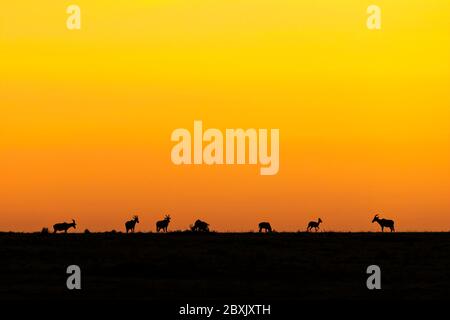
(86, 115)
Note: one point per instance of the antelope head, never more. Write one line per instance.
(375, 218)
(167, 217)
(320, 220)
(74, 224)
(136, 218)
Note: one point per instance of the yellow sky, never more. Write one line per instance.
(86, 115)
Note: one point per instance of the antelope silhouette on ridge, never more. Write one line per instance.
(314, 224)
(384, 223)
(200, 226)
(265, 226)
(129, 225)
(64, 226)
(163, 224)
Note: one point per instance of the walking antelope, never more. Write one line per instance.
(163, 224)
(64, 226)
(266, 226)
(314, 224)
(200, 226)
(129, 225)
(384, 223)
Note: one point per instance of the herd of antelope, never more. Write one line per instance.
(202, 226)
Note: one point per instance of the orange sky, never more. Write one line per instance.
(86, 115)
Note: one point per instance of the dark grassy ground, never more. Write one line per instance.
(185, 266)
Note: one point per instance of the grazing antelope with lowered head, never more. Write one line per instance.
(129, 225)
(384, 223)
(200, 226)
(163, 224)
(266, 226)
(64, 226)
(314, 224)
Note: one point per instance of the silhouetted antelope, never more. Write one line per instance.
(200, 226)
(384, 223)
(163, 224)
(129, 225)
(314, 224)
(64, 226)
(266, 226)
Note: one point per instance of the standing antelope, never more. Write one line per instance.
(266, 226)
(163, 224)
(129, 225)
(384, 223)
(64, 226)
(314, 224)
